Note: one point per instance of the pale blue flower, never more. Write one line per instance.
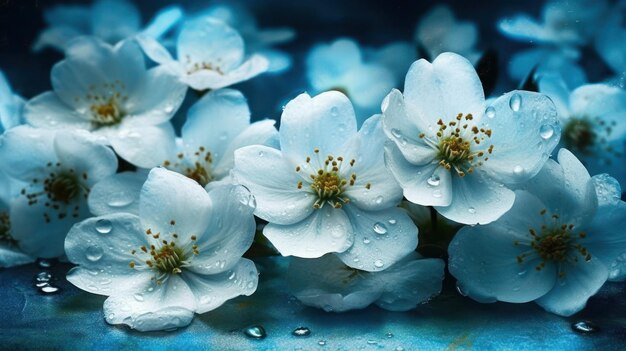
(58, 168)
(329, 284)
(327, 190)
(438, 31)
(341, 66)
(553, 247)
(610, 39)
(209, 55)
(593, 123)
(109, 91)
(10, 253)
(216, 126)
(109, 20)
(180, 255)
(11, 105)
(452, 151)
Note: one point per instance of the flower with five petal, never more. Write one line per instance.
(451, 150)
(58, 169)
(179, 256)
(553, 247)
(327, 189)
(108, 91)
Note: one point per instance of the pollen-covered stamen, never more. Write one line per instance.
(555, 242)
(163, 256)
(62, 188)
(5, 229)
(328, 183)
(460, 144)
(106, 103)
(590, 136)
(196, 167)
(193, 67)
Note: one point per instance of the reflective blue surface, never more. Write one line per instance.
(73, 318)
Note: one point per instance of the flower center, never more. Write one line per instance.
(579, 134)
(459, 144)
(165, 257)
(199, 169)
(5, 229)
(105, 103)
(193, 67)
(327, 183)
(62, 187)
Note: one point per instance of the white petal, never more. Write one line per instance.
(25, 151)
(554, 86)
(381, 238)
(84, 155)
(117, 193)
(325, 230)
(12, 256)
(477, 199)
(115, 20)
(325, 121)
(163, 21)
(273, 182)
(144, 146)
(169, 203)
(524, 139)
(48, 111)
(428, 185)
(206, 79)
(605, 238)
(211, 291)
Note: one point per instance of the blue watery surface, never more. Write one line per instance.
(73, 318)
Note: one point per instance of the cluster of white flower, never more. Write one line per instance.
(339, 185)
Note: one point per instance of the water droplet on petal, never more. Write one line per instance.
(43, 263)
(584, 327)
(546, 131)
(471, 210)
(301, 331)
(379, 263)
(522, 273)
(460, 290)
(372, 342)
(392, 221)
(379, 200)
(261, 154)
(43, 277)
(515, 103)
(103, 226)
(321, 342)
(121, 199)
(399, 348)
(437, 193)
(380, 228)
(396, 133)
(490, 112)
(49, 289)
(334, 111)
(518, 170)
(255, 332)
(389, 335)
(138, 297)
(93, 253)
(366, 241)
(434, 180)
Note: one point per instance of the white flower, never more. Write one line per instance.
(181, 255)
(329, 284)
(452, 151)
(327, 190)
(110, 92)
(11, 106)
(553, 247)
(58, 169)
(10, 254)
(210, 55)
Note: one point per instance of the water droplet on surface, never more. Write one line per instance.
(437, 193)
(515, 103)
(372, 342)
(93, 253)
(546, 131)
(379, 200)
(584, 327)
(121, 199)
(321, 342)
(471, 210)
(490, 112)
(261, 154)
(522, 273)
(380, 228)
(434, 180)
(103, 226)
(379, 263)
(43, 277)
(138, 297)
(301, 331)
(49, 289)
(43, 263)
(460, 290)
(366, 241)
(255, 332)
(519, 170)
(389, 335)
(392, 221)
(334, 111)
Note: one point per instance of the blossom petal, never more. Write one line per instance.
(381, 238)
(325, 121)
(229, 232)
(48, 111)
(102, 248)
(605, 238)
(163, 21)
(428, 185)
(169, 203)
(273, 182)
(117, 193)
(554, 86)
(25, 143)
(114, 20)
(211, 291)
(581, 281)
(144, 146)
(477, 199)
(84, 155)
(524, 136)
(11, 256)
(325, 230)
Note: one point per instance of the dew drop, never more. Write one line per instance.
(255, 332)
(93, 253)
(515, 103)
(379, 200)
(321, 342)
(437, 193)
(471, 210)
(522, 273)
(43, 263)
(121, 199)
(490, 112)
(460, 290)
(138, 297)
(546, 131)
(301, 331)
(49, 289)
(206, 299)
(396, 133)
(103, 226)
(380, 228)
(379, 263)
(399, 348)
(389, 335)
(392, 221)
(334, 111)
(169, 109)
(584, 327)
(261, 153)
(372, 342)
(366, 241)
(43, 277)
(518, 170)
(434, 180)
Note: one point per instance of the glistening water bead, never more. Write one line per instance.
(584, 327)
(301, 331)
(255, 332)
